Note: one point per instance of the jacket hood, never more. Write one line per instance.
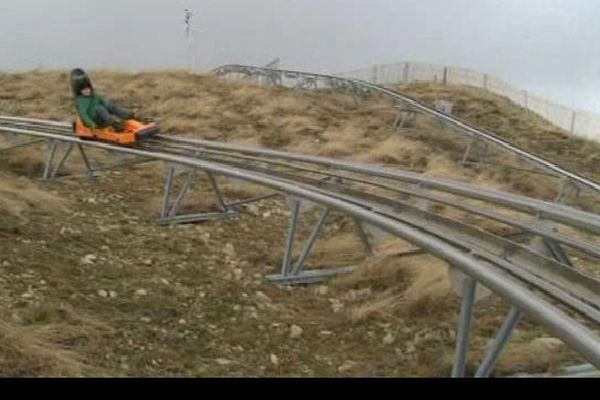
(79, 81)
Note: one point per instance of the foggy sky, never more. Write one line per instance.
(550, 47)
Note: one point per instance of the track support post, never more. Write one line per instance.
(497, 346)
(464, 327)
(170, 212)
(293, 274)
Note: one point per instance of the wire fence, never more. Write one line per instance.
(576, 122)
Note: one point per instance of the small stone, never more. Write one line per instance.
(141, 292)
(229, 250)
(325, 333)
(147, 261)
(252, 209)
(260, 296)
(336, 305)
(223, 361)
(182, 321)
(346, 366)
(145, 319)
(5, 264)
(295, 331)
(89, 259)
(389, 339)
(545, 344)
(266, 214)
(26, 295)
(274, 359)
(102, 293)
(105, 248)
(238, 273)
(112, 294)
(322, 290)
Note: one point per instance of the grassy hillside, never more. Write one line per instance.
(515, 124)
(90, 285)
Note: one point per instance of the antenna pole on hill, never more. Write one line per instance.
(189, 34)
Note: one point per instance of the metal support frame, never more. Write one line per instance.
(568, 192)
(56, 160)
(364, 238)
(170, 209)
(476, 152)
(293, 275)
(306, 83)
(52, 168)
(464, 327)
(497, 346)
(407, 118)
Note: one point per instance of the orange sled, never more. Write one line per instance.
(134, 131)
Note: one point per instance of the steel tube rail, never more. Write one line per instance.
(557, 212)
(453, 121)
(572, 332)
(548, 233)
(582, 246)
(592, 250)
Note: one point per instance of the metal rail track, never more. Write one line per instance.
(225, 158)
(481, 255)
(276, 76)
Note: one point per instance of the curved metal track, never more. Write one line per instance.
(547, 290)
(311, 80)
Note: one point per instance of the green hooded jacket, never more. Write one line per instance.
(86, 108)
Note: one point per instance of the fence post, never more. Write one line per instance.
(445, 75)
(485, 82)
(375, 74)
(573, 118)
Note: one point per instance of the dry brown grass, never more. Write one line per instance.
(400, 286)
(22, 199)
(510, 121)
(391, 290)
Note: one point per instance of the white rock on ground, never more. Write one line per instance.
(389, 339)
(229, 250)
(260, 296)
(346, 366)
(89, 259)
(295, 331)
(102, 293)
(545, 344)
(322, 290)
(238, 273)
(141, 292)
(274, 359)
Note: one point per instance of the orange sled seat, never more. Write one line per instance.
(134, 130)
